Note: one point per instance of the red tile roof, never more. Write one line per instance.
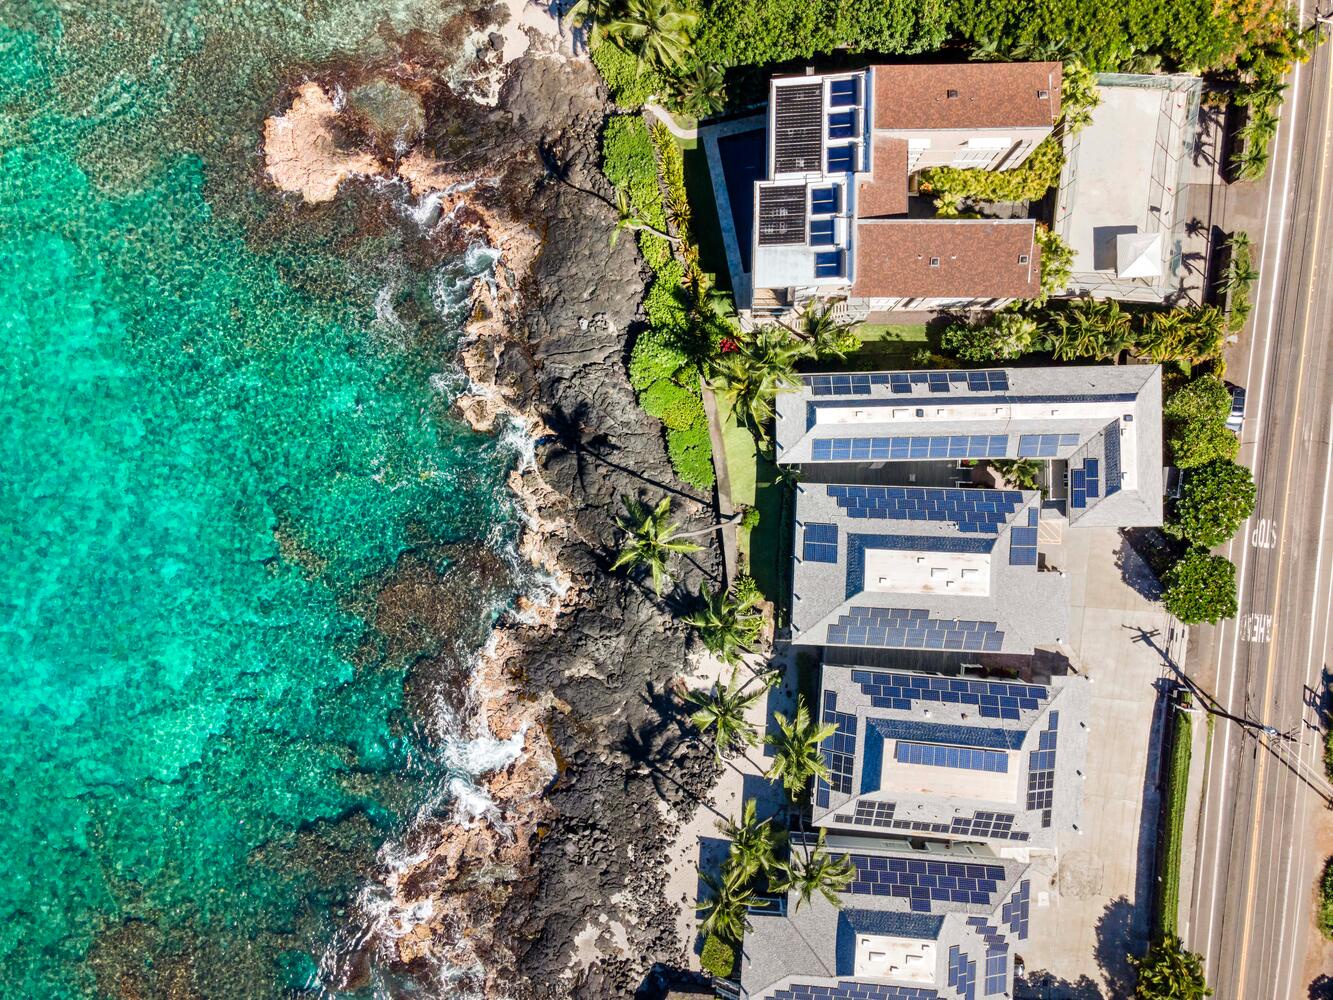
(886, 193)
(978, 258)
(988, 95)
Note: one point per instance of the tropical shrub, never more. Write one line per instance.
(1009, 334)
(691, 454)
(1169, 972)
(630, 164)
(1326, 900)
(1196, 415)
(1057, 262)
(957, 187)
(629, 84)
(677, 407)
(666, 303)
(1201, 588)
(657, 354)
(718, 957)
(1215, 501)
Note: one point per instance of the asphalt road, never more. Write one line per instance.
(1252, 903)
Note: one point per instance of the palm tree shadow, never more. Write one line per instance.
(1119, 935)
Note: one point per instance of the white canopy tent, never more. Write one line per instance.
(1138, 255)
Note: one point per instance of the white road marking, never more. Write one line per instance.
(1265, 534)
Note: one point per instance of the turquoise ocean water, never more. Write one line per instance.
(198, 756)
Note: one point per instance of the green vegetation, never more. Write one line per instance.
(1057, 263)
(797, 760)
(1326, 900)
(1020, 473)
(815, 870)
(656, 31)
(1196, 423)
(718, 957)
(1169, 972)
(653, 538)
(1215, 501)
(1177, 794)
(725, 909)
(1201, 588)
(754, 843)
(646, 168)
(728, 624)
(1258, 89)
(722, 711)
(1087, 329)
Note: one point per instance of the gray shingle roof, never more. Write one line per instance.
(876, 708)
(886, 416)
(835, 604)
(815, 945)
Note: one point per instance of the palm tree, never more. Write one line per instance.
(825, 335)
(817, 871)
(631, 220)
(754, 845)
(728, 627)
(702, 92)
(658, 31)
(797, 758)
(653, 536)
(723, 710)
(590, 14)
(725, 909)
(751, 377)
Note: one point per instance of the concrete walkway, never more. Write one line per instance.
(664, 116)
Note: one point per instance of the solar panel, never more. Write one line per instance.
(839, 750)
(1041, 771)
(1014, 912)
(782, 215)
(997, 973)
(960, 758)
(798, 113)
(972, 510)
(897, 449)
(821, 543)
(843, 93)
(962, 973)
(853, 989)
(902, 628)
(1044, 445)
(991, 699)
(841, 159)
(1111, 453)
(925, 882)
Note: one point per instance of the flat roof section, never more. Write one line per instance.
(966, 95)
(884, 193)
(1124, 178)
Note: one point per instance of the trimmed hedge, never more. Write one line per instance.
(691, 454)
(718, 957)
(620, 69)
(1177, 795)
(678, 408)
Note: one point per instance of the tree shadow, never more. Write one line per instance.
(1321, 987)
(1121, 931)
(1042, 985)
(1136, 572)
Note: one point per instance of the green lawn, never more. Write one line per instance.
(1177, 797)
(888, 347)
(754, 483)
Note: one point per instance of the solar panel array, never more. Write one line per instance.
(798, 121)
(861, 383)
(962, 973)
(980, 511)
(960, 758)
(839, 749)
(851, 989)
(904, 628)
(923, 882)
(1045, 445)
(1111, 453)
(1084, 483)
(842, 125)
(992, 699)
(1014, 912)
(1023, 542)
(996, 976)
(1041, 771)
(902, 448)
(923, 731)
(820, 542)
(842, 93)
(982, 824)
(781, 215)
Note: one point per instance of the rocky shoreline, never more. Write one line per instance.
(557, 890)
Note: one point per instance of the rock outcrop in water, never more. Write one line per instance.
(555, 890)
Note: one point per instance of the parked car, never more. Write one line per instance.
(1236, 418)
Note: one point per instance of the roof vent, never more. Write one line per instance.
(1043, 95)
(1022, 258)
(951, 94)
(934, 262)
